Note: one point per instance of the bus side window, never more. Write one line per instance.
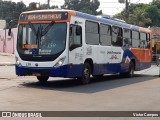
(148, 41)
(117, 39)
(127, 38)
(143, 40)
(135, 39)
(75, 37)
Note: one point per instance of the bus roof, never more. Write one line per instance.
(71, 12)
(94, 18)
(113, 22)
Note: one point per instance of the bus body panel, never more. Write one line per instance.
(106, 59)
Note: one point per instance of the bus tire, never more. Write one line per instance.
(42, 78)
(131, 69)
(130, 72)
(86, 73)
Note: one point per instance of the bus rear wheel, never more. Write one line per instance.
(130, 72)
(131, 69)
(42, 78)
(86, 73)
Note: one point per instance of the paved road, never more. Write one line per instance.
(6, 59)
(111, 93)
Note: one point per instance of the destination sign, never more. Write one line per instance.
(44, 16)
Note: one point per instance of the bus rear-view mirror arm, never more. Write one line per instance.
(10, 24)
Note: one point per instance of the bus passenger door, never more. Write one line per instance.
(75, 51)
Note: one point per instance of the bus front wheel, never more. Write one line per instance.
(42, 78)
(86, 73)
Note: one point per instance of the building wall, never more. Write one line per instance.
(2, 24)
(8, 43)
(156, 41)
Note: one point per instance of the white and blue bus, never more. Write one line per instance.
(71, 44)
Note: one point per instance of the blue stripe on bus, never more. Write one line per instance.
(109, 68)
(116, 68)
(63, 71)
(73, 71)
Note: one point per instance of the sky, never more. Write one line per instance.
(108, 7)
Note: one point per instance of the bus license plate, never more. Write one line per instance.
(36, 74)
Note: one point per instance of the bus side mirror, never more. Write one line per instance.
(78, 30)
(9, 32)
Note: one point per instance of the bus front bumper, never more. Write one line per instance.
(62, 71)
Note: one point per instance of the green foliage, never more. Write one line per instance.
(85, 6)
(143, 14)
(11, 10)
(153, 13)
(139, 14)
(139, 17)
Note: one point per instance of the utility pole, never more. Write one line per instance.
(127, 10)
(48, 4)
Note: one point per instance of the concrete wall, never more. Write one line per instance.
(8, 43)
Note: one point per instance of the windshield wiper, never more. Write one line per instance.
(39, 34)
(47, 28)
(40, 31)
(32, 27)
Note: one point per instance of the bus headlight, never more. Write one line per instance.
(60, 62)
(17, 61)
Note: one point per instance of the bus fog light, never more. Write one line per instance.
(60, 62)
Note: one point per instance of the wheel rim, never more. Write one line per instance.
(86, 74)
(131, 71)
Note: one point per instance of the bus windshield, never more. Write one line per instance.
(41, 39)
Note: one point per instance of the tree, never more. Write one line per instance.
(156, 2)
(11, 11)
(153, 13)
(143, 14)
(45, 6)
(139, 17)
(32, 6)
(85, 6)
(132, 8)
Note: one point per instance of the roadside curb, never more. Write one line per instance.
(6, 54)
(7, 64)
